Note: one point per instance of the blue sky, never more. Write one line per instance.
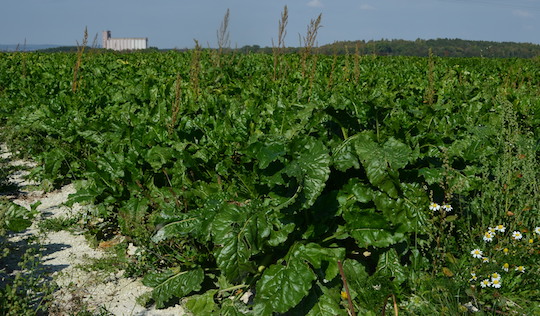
(176, 23)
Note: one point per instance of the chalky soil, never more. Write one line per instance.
(65, 253)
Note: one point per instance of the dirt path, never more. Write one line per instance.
(63, 254)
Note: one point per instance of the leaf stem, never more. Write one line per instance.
(232, 288)
(395, 304)
(351, 307)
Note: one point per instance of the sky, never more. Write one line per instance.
(178, 23)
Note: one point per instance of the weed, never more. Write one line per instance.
(223, 35)
(332, 70)
(195, 70)
(278, 50)
(57, 224)
(176, 104)
(309, 42)
(504, 220)
(346, 66)
(78, 63)
(511, 189)
(357, 63)
(28, 292)
(429, 96)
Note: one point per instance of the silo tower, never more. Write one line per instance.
(106, 35)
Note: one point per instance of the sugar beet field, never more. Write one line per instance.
(292, 184)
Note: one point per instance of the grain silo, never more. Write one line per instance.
(123, 43)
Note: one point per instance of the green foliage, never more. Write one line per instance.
(283, 285)
(14, 217)
(173, 283)
(203, 304)
(249, 183)
(28, 292)
(238, 233)
(58, 223)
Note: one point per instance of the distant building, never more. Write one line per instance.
(123, 43)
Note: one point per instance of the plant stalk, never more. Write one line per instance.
(349, 300)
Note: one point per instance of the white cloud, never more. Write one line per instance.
(366, 7)
(315, 4)
(522, 13)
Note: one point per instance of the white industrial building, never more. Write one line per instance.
(123, 43)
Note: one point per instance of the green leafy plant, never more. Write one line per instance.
(249, 178)
(14, 217)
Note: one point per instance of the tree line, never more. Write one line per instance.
(442, 47)
(439, 47)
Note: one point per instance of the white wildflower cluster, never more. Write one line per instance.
(510, 239)
(492, 232)
(494, 280)
(437, 207)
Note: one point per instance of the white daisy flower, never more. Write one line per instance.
(500, 228)
(517, 235)
(488, 236)
(473, 277)
(520, 269)
(537, 230)
(496, 283)
(505, 267)
(434, 206)
(485, 283)
(477, 253)
(495, 276)
(485, 259)
(447, 207)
